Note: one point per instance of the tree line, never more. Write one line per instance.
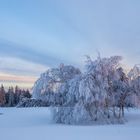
(12, 96)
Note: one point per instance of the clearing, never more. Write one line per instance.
(36, 124)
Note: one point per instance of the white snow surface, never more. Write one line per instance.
(36, 124)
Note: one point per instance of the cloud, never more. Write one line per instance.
(16, 78)
(12, 49)
(20, 67)
(64, 31)
(12, 80)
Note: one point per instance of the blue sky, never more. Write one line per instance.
(38, 34)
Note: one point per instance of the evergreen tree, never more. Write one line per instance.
(11, 102)
(2, 96)
(17, 95)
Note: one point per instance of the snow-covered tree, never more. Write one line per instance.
(135, 85)
(134, 72)
(121, 91)
(98, 95)
(50, 85)
(134, 78)
(91, 96)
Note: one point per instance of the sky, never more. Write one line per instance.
(36, 35)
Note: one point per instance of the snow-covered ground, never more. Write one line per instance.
(36, 124)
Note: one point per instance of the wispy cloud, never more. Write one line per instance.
(12, 80)
(26, 53)
(16, 78)
(20, 67)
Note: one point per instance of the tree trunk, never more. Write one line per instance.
(122, 111)
(114, 112)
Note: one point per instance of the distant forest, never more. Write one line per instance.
(12, 96)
